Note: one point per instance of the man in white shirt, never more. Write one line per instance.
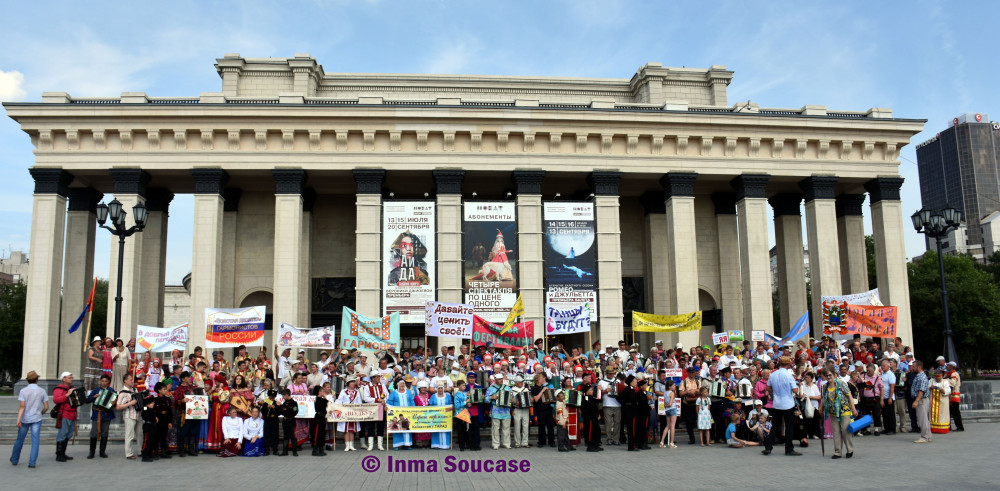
(612, 408)
(283, 364)
(728, 358)
(622, 352)
(783, 388)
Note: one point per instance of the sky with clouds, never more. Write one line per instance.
(924, 59)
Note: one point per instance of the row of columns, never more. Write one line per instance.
(834, 224)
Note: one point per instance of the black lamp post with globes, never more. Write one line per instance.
(937, 226)
(117, 214)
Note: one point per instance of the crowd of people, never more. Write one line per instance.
(737, 396)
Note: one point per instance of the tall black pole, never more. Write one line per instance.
(118, 299)
(949, 344)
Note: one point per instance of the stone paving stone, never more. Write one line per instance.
(971, 458)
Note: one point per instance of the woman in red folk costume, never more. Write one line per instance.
(220, 406)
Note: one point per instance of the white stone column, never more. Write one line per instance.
(154, 254)
(851, 232)
(78, 275)
(751, 210)
(657, 285)
(288, 244)
(528, 185)
(824, 256)
(45, 253)
(890, 251)
(230, 224)
(730, 269)
(130, 190)
(791, 285)
(609, 255)
(206, 257)
(305, 297)
(681, 249)
(368, 236)
(449, 242)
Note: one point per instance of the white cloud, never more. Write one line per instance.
(12, 86)
(455, 58)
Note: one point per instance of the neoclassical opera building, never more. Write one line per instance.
(294, 172)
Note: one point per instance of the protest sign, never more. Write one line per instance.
(448, 319)
(666, 323)
(320, 337)
(418, 419)
(567, 321)
(229, 328)
(307, 406)
(367, 333)
(196, 407)
(161, 339)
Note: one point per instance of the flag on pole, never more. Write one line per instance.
(800, 329)
(88, 309)
(516, 311)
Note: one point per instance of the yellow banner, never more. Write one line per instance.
(516, 311)
(666, 323)
(418, 419)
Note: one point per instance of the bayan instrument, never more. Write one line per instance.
(744, 391)
(718, 389)
(105, 400)
(482, 379)
(505, 398)
(522, 399)
(477, 395)
(75, 399)
(574, 398)
(546, 396)
(612, 388)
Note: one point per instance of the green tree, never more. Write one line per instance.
(872, 265)
(973, 302)
(99, 319)
(13, 298)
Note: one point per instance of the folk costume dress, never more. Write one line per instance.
(301, 424)
(253, 428)
(940, 402)
(400, 399)
(349, 396)
(232, 432)
(422, 400)
(220, 406)
(441, 439)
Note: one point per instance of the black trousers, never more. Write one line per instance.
(629, 423)
(889, 416)
(271, 434)
(288, 429)
(148, 439)
(783, 421)
(956, 414)
(592, 431)
(160, 441)
(473, 438)
(317, 430)
(869, 406)
(460, 428)
(563, 436)
(689, 413)
(546, 425)
(719, 427)
(372, 429)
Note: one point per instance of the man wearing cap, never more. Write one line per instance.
(499, 414)
(610, 387)
(32, 402)
(472, 436)
(520, 415)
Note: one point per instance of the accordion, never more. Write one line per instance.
(75, 399)
(718, 389)
(477, 395)
(744, 391)
(613, 389)
(337, 385)
(522, 399)
(482, 379)
(505, 398)
(546, 397)
(105, 400)
(574, 398)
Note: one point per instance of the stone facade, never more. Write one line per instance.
(290, 165)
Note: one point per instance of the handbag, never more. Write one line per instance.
(56, 411)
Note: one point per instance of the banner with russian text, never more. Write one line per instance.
(369, 334)
(307, 406)
(869, 297)
(418, 419)
(490, 270)
(567, 321)
(448, 319)
(229, 328)
(570, 254)
(347, 413)
(161, 339)
(408, 236)
(519, 336)
(320, 337)
(666, 323)
(866, 320)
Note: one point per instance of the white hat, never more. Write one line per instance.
(758, 402)
(302, 350)
(518, 379)
(497, 376)
(422, 384)
(659, 341)
(679, 346)
(455, 365)
(951, 363)
(940, 358)
(96, 338)
(610, 346)
(65, 374)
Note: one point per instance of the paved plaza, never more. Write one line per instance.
(957, 461)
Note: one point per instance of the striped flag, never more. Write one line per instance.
(88, 309)
(516, 311)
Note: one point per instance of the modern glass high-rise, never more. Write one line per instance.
(960, 167)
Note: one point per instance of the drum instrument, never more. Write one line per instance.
(75, 399)
(477, 395)
(744, 391)
(505, 398)
(718, 389)
(522, 399)
(105, 400)
(574, 398)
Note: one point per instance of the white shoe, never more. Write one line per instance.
(371, 441)
(380, 447)
(922, 440)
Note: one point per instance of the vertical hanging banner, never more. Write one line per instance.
(490, 270)
(369, 334)
(448, 320)
(570, 254)
(408, 235)
(229, 328)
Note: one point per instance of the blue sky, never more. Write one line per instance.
(923, 59)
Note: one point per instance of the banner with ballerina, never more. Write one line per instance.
(490, 270)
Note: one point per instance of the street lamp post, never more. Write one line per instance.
(937, 226)
(117, 228)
